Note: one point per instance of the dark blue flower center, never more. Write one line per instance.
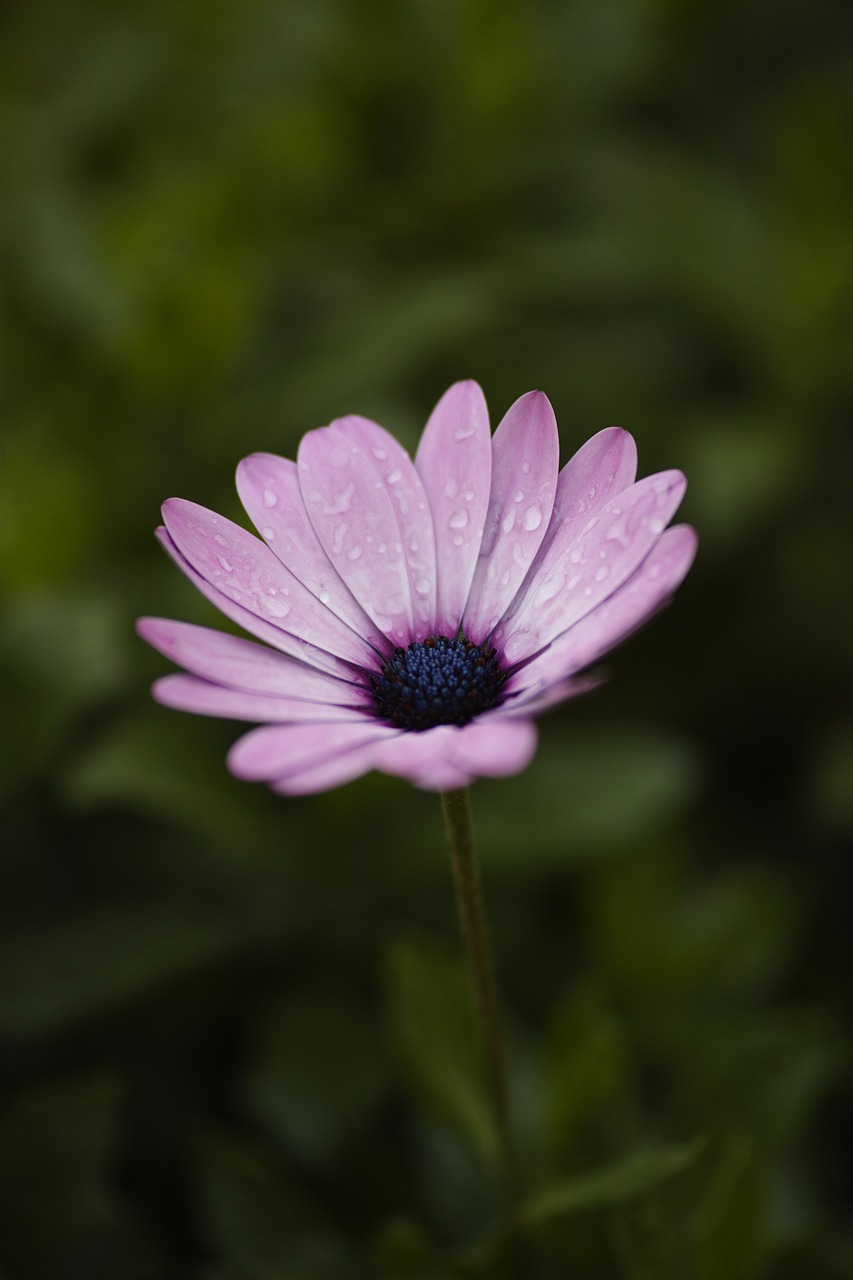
(437, 681)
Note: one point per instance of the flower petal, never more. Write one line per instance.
(606, 551)
(454, 460)
(256, 626)
(269, 490)
(525, 458)
(240, 664)
(274, 752)
(356, 519)
(647, 590)
(336, 771)
(484, 748)
(404, 486)
(244, 570)
(190, 693)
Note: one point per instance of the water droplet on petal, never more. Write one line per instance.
(532, 518)
(354, 553)
(656, 525)
(458, 540)
(379, 454)
(422, 586)
(601, 574)
(393, 476)
(226, 564)
(450, 487)
(508, 521)
(268, 533)
(459, 519)
(464, 432)
(278, 608)
(324, 597)
(270, 499)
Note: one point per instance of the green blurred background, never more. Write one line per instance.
(235, 1037)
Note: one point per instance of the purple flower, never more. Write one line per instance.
(416, 616)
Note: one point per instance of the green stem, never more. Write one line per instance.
(460, 833)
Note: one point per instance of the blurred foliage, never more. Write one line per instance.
(234, 1030)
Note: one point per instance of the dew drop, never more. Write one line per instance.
(464, 433)
(518, 496)
(278, 608)
(270, 499)
(324, 597)
(268, 533)
(226, 564)
(379, 454)
(451, 488)
(422, 586)
(508, 521)
(602, 573)
(393, 476)
(458, 540)
(383, 546)
(656, 525)
(576, 555)
(459, 519)
(354, 553)
(532, 518)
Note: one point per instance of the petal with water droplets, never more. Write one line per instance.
(454, 460)
(525, 458)
(269, 490)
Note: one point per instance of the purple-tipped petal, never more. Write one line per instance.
(240, 664)
(283, 641)
(525, 458)
(454, 460)
(274, 752)
(245, 570)
(359, 515)
(400, 478)
(647, 590)
(607, 550)
(269, 490)
(191, 693)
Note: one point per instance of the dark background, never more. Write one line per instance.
(235, 1043)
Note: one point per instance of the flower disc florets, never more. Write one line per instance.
(441, 680)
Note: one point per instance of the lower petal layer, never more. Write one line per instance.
(274, 752)
(484, 748)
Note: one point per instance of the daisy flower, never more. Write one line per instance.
(416, 616)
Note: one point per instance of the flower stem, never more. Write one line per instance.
(460, 833)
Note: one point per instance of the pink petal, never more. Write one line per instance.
(489, 748)
(532, 702)
(269, 490)
(414, 518)
(280, 640)
(357, 517)
(606, 551)
(272, 753)
(189, 693)
(495, 748)
(455, 463)
(240, 664)
(645, 592)
(525, 458)
(603, 466)
(334, 772)
(244, 570)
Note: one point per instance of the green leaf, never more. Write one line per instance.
(618, 1184)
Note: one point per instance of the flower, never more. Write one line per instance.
(417, 616)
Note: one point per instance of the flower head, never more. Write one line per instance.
(416, 616)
